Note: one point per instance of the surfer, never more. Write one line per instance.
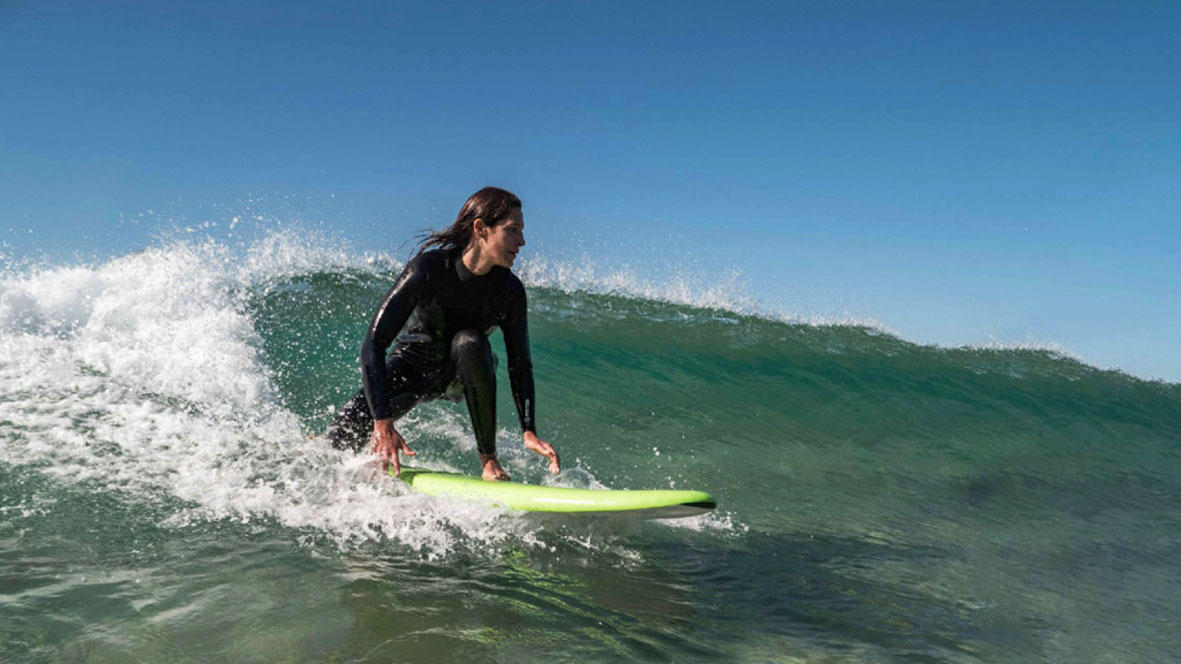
(448, 299)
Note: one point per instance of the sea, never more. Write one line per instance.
(166, 493)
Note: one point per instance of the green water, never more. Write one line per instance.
(878, 501)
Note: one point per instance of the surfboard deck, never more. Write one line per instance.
(648, 504)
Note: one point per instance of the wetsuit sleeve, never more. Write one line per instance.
(520, 365)
(395, 309)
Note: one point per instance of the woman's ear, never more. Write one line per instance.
(479, 228)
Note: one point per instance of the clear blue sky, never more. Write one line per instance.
(963, 172)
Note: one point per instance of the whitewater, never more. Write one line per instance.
(166, 494)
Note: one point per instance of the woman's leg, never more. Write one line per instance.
(353, 424)
(471, 355)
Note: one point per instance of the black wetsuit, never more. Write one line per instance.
(447, 313)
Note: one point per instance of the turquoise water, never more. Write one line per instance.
(164, 494)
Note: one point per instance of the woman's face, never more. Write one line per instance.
(502, 242)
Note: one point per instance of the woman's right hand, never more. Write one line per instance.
(387, 442)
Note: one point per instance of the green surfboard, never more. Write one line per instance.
(655, 504)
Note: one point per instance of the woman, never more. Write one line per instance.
(449, 299)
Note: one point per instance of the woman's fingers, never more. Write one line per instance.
(380, 451)
(401, 446)
(387, 444)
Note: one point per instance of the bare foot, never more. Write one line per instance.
(544, 449)
(493, 472)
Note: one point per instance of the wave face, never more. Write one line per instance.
(163, 480)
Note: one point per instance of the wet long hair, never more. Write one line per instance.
(492, 204)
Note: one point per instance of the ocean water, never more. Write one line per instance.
(165, 494)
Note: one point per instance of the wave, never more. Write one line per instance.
(147, 375)
(198, 374)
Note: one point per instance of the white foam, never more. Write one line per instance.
(585, 275)
(726, 292)
(285, 253)
(996, 344)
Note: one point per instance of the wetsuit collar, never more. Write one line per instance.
(462, 271)
(465, 275)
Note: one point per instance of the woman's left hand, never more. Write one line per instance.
(544, 449)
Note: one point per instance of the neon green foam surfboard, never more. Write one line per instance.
(655, 504)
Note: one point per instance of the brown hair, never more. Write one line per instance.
(491, 204)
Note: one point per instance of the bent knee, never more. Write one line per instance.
(469, 341)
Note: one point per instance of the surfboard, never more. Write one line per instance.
(647, 504)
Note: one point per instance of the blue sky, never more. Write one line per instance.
(963, 173)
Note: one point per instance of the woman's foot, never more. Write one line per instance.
(546, 450)
(492, 470)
